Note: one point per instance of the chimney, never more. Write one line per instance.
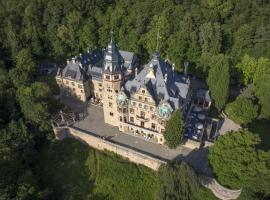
(67, 61)
(173, 66)
(73, 60)
(186, 63)
(166, 77)
(136, 71)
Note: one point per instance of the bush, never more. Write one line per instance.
(242, 110)
(235, 160)
(174, 130)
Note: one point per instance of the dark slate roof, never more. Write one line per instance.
(92, 57)
(113, 60)
(74, 71)
(92, 63)
(163, 83)
(129, 58)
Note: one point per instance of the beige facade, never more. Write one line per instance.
(111, 86)
(136, 102)
(96, 89)
(69, 87)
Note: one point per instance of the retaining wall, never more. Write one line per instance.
(137, 157)
(101, 144)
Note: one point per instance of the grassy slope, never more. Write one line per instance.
(74, 171)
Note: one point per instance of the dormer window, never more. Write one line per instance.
(107, 77)
(143, 91)
(116, 77)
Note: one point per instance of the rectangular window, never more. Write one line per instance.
(116, 77)
(107, 77)
(152, 108)
(100, 84)
(80, 86)
(72, 83)
(124, 110)
(140, 105)
(153, 126)
(131, 110)
(145, 107)
(73, 89)
(81, 91)
(134, 103)
(143, 91)
(153, 117)
(131, 119)
(120, 118)
(67, 82)
(110, 104)
(111, 114)
(100, 90)
(142, 113)
(140, 98)
(142, 124)
(146, 99)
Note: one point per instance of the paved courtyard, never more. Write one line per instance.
(94, 123)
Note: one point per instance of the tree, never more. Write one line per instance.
(34, 104)
(210, 38)
(178, 181)
(242, 110)
(25, 70)
(262, 86)
(236, 162)
(218, 80)
(88, 36)
(248, 67)
(174, 129)
(159, 25)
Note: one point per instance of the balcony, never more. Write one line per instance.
(142, 118)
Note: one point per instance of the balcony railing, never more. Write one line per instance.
(142, 118)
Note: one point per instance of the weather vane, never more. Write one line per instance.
(111, 35)
(158, 37)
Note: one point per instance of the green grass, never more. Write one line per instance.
(204, 194)
(75, 171)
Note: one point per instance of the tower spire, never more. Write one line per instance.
(111, 36)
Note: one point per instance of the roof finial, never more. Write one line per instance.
(111, 36)
(158, 37)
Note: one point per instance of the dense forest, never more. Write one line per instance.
(227, 43)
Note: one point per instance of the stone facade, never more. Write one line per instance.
(137, 100)
(100, 144)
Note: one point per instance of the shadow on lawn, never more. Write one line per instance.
(65, 169)
(197, 159)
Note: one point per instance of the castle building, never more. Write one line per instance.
(136, 101)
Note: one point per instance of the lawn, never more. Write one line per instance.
(72, 170)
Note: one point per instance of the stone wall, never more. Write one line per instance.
(140, 158)
(101, 144)
(218, 190)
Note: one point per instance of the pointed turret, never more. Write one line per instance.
(113, 60)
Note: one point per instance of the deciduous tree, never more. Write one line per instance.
(174, 129)
(242, 110)
(218, 80)
(235, 160)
